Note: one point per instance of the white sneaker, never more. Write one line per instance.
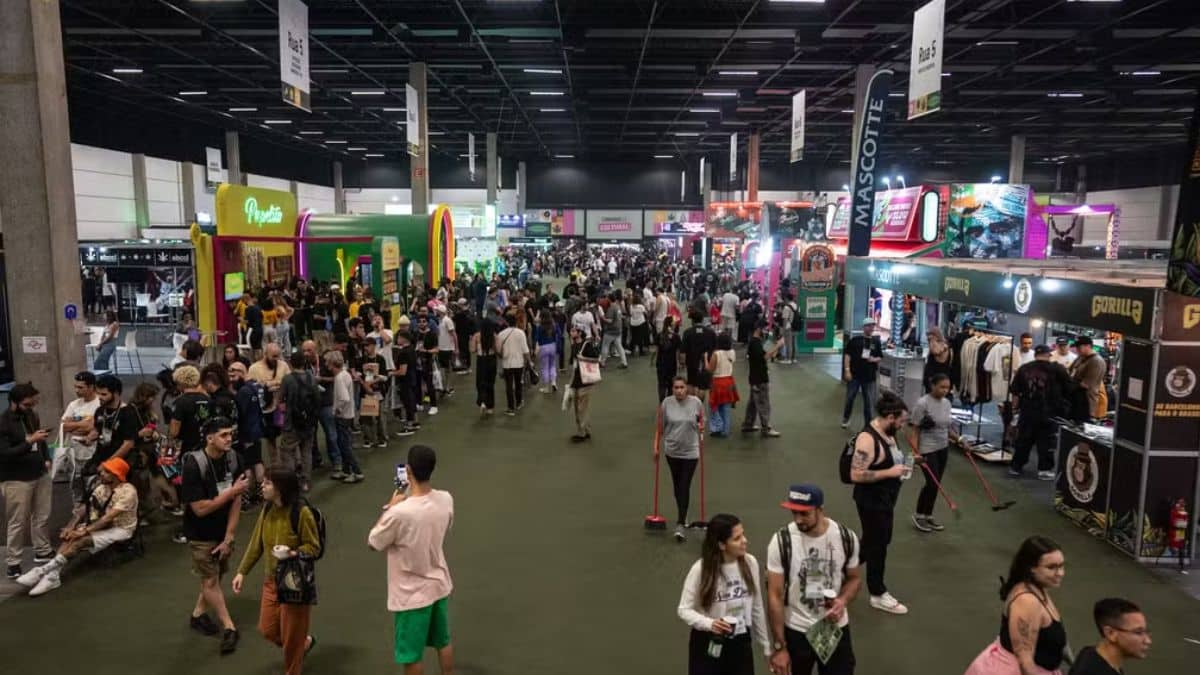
(888, 604)
(433, 410)
(48, 583)
(1046, 475)
(33, 576)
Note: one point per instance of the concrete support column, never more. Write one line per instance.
(1166, 213)
(233, 159)
(752, 167)
(187, 192)
(706, 178)
(339, 190)
(419, 163)
(294, 188)
(1016, 159)
(493, 169)
(522, 197)
(37, 210)
(141, 203)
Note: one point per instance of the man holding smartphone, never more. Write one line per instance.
(411, 532)
(213, 483)
(25, 478)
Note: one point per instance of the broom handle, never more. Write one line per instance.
(657, 458)
(937, 483)
(703, 517)
(979, 473)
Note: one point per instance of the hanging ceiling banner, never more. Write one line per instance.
(925, 66)
(798, 126)
(732, 157)
(412, 119)
(1183, 266)
(471, 154)
(701, 181)
(212, 165)
(293, 53)
(870, 143)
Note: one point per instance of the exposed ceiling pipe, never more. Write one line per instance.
(500, 74)
(570, 81)
(637, 72)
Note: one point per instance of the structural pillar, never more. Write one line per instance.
(339, 190)
(233, 159)
(493, 169)
(187, 192)
(37, 211)
(752, 167)
(521, 185)
(141, 200)
(419, 163)
(706, 178)
(1016, 160)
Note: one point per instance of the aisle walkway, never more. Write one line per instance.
(554, 573)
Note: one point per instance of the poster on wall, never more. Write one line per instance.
(562, 221)
(797, 153)
(614, 224)
(733, 220)
(925, 64)
(293, 53)
(412, 119)
(816, 268)
(1177, 399)
(892, 218)
(987, 220)
(674, 223)
(1081, 492)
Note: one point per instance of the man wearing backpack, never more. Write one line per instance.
(301, 400)
(813, 574)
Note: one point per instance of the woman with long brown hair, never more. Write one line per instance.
(722, 601)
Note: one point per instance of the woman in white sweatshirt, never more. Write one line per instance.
(722, 601)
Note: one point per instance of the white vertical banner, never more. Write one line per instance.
(925, 65)
(701, 181)
(733, 156)
(212, 165)
(471, 154)
(798, 127)
(293, 53)
(412, 119)
(499, 173)
(683, 185)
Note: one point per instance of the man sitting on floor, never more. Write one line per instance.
(106, 517)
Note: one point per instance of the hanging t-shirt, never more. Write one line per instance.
(999, 364)
(817, 565)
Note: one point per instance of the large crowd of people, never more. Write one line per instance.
(321, 368)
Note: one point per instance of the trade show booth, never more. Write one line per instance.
(1121, 481)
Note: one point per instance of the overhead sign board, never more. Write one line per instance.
(293, 53)
(925, 64)
(798, 127)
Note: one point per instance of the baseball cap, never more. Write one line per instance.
(1083, 340)
(804, 497)
(1062, 340)
(869, 321)
(1041, 349)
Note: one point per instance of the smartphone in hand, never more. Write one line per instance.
(401, 477)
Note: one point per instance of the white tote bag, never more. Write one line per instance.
(589, 371)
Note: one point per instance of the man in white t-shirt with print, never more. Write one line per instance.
(77, 422)
(815, 581)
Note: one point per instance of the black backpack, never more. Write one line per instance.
(783, 539)
(317, 516)
(306, 408)
(847, 457)
(797, 320)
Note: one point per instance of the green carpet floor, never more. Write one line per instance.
(554, 573)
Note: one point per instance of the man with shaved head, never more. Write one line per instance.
(269, 371)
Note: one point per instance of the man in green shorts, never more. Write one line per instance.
(411, 532)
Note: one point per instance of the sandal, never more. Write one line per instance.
(312, 642)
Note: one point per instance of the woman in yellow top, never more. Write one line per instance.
(354, 299)
(284, 625)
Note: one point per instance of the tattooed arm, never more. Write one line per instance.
(864, 457)
(1024, 622)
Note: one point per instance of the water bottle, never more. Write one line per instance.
(909, 459)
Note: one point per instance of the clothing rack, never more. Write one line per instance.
(978, 442)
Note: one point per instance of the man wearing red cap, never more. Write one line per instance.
(107, 516)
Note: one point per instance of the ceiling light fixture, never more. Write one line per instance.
(704, 110)
(543, 71)
(394, 110)
(945, 74)
(687, 133)
(435, 133)
(373, 154)
(243, 110)
(720, 93)
(849, 110)
(127, 71)
(553, 109)
(663, 156)
(312, 133)
(329, 71)
(277, 121)
(800, 2)
(737, 72)
(996, 43)
(194, 93)
(357, 149)
(1064, 94)
(368, 92)
(564, 157)
(335, 142)
(545, 93)
(1144, 73)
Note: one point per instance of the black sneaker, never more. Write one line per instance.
(14, 571)
(229, 641)
(205, 625)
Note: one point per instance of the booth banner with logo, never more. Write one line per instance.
(1081, 492)
(563, 222)
(1177, 399)
(1183, 271)
(255, 212)
(890, 220)
(412, 119)
(925, 64)
(816, 267)
(293, 53)
(674, 223)
(797, 153)
(732, 157)
(921, 280)
(107, 256)
(614, 224)
(870, 148)
(987, 220)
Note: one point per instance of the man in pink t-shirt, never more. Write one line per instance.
(411, 531)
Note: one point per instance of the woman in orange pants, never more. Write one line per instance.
(286, 528)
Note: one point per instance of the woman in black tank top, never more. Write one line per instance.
(1032, 639)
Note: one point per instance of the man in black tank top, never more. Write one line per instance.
(877, 470)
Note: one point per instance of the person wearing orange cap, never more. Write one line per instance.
(107, 516)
